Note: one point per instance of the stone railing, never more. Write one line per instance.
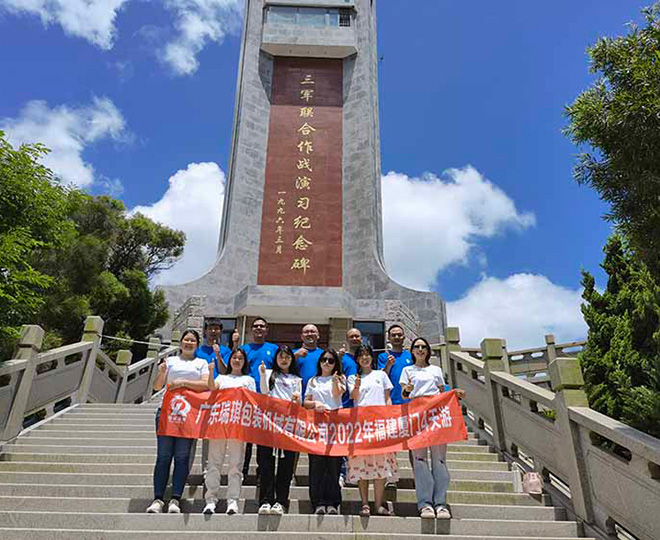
(606, 473)
(36, 385)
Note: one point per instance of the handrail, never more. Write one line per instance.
(12, 366)
(524, 388)
(64, 351)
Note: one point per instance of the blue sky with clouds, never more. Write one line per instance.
(136, 99)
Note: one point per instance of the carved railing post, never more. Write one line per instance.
(93, 332)
(32, 337)
(453, 344)
(552, 351)
(124, 359)
(152, 352)
(567, 383)
(492, 352)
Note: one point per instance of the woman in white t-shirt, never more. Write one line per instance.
(431, 483)
(324, 393)
(237, 377)
(183, 371)
(371, 387)
(281, 382)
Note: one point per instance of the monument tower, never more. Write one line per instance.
(301, 238)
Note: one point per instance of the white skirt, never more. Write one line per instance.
(373, 467)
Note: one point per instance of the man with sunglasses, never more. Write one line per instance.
(258, 351)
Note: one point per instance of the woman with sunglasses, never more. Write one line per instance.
(282, 382)
(371, 387)
(324, 393)
(431, 483)
(237, 377)
(183, 371)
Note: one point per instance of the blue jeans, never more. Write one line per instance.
(170, 448)
(431, 483)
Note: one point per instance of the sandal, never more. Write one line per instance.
(365, 511)
(383, 511)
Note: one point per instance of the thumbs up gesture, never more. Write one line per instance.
(262, 368)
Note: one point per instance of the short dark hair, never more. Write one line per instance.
(392, 327)
(293, 368)
(212, 321)
(428, 349)
(194, 333)
(337, 368)
(258, 319)
(246, 365)
(362, 349)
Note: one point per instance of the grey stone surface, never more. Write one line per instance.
(228, 287)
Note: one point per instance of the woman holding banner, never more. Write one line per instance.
(237, 377)
(183, 371)
(324, 393)
(371, 387)
(431, 483)
(281, 382)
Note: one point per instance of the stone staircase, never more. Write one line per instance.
(87, 474)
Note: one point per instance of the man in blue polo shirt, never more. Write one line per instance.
(258, 351)
(393, 361)
(348, 363)
(308, 355)
(212, 336)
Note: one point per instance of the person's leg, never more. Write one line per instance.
(164, 456)
(363, 485)
(236, 452)
(217, 448)
(193, 454)
(423, 478)
(315, 480)
(440, 475)
(266, 462)
(246, 461)
(333, 490)
(285, 465)
(182, 449)
(379, 492)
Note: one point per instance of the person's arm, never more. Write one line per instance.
(210, 380)
(338, 385)
(263, 379)
(200, 385)
(355, 391)
(389, 363)
(161, 378)
(388, 399)
(406, 385)
(218, 355)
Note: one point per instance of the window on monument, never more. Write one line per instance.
(344, 17)
(333, 17)
(282, 14)
(373, 333)
(311, 17)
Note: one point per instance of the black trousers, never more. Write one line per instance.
(324, 487)
(275, 486)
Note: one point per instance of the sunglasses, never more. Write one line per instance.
(421, 347)
(328, 360)
(258, 326)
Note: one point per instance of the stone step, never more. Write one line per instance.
(302, 471)
(72, 534)
(109, 479)
(125, 505)
(117, 406)
(290, 523)
(249, 492)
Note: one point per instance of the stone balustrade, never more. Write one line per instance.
(36, 385)
(606, 473)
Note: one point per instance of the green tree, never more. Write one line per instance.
(619, 118)
(32, 219)
(621, 360)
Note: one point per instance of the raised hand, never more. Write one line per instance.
(216, 349)
(390, 361)
(358, 381)
(302, 352)
(409, 387)
(262, 368)
(342, 349)
(235, 337)
(162, 368)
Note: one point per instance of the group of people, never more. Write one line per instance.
(318, 379)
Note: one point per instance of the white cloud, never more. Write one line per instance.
(67, 131)
(433, 222)
(192, 203)
(197, 23)
(92, 20)
(521, 309)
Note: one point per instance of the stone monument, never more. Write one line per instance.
(301, 238)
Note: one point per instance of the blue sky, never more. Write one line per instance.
(136, 98)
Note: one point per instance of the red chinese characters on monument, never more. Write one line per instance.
(301, 226)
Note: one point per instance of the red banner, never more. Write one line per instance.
(236, 413)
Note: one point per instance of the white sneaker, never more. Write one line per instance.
(333, 510)
(232, 507)
(209, 509)
(277, 509)
(320, 510)
(264, 509)
(342, 482)
(442, 513)
(427, 513)
(156, 507)
(173, 507)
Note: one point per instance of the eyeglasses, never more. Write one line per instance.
(258, 326)
(328, 360)
(420, 347)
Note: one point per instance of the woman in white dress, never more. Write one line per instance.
(237, 377)
(371, 387)
(281, 382)
(431, 480)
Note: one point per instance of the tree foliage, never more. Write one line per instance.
(621, 361)
(65, 255)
